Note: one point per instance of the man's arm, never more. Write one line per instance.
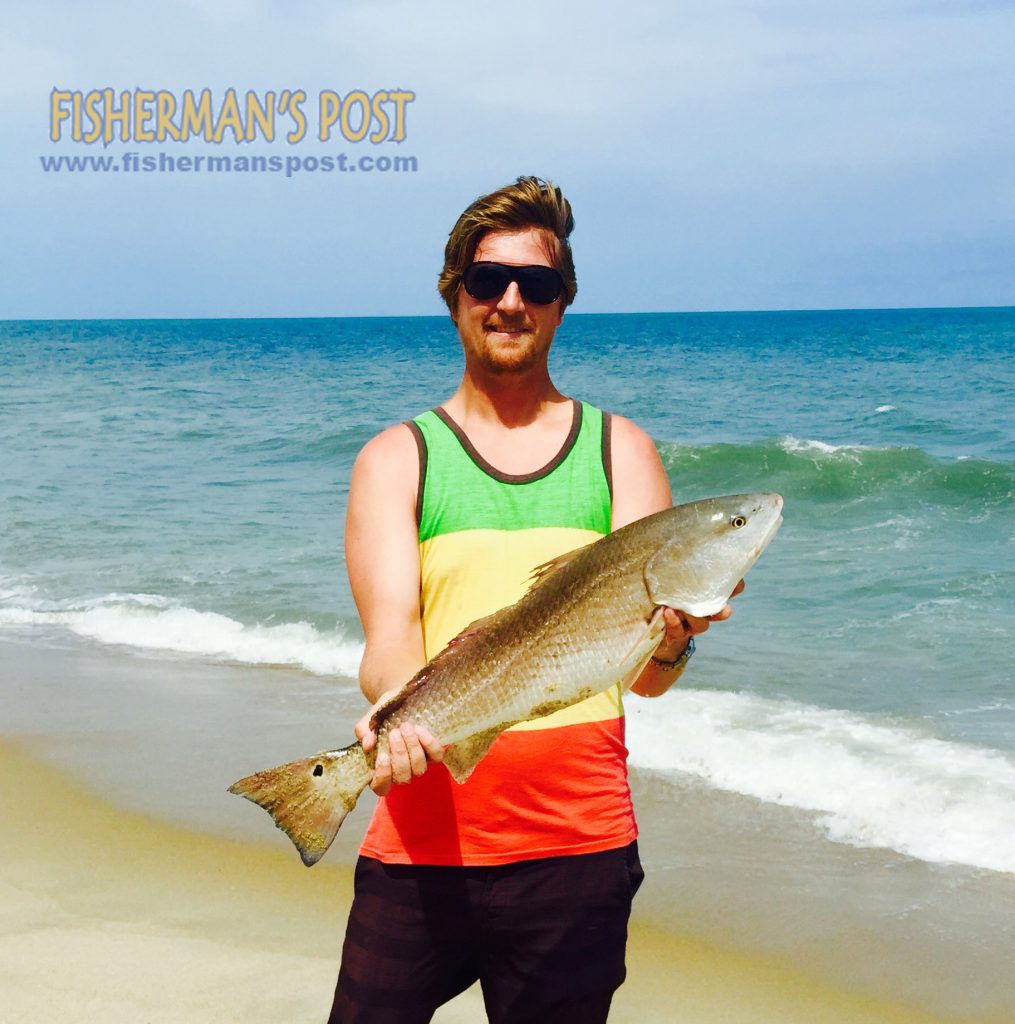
(382, 559)
(641, 487)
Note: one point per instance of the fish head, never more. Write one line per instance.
(707, 547)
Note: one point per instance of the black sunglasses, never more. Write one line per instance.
(539, 285)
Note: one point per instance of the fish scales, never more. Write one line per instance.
(589, 620)
(558, 656)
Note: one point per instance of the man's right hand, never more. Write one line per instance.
(410, 748)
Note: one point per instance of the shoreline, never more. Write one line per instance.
(114, 915)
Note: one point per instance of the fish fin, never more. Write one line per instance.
(545, 569)
(645, 643)
(309, 799)
(423, 676)
(462, 757)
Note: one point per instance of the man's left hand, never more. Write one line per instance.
(680, 627)
(654, 680)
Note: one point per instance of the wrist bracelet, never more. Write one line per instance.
(680, 660)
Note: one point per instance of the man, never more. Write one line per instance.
(522, 877)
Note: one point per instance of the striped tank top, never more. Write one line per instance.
(554, 786)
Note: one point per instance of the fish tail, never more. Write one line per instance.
(309, 799)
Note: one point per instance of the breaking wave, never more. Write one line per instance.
(870, 784)
(151, 622)
(815, 469)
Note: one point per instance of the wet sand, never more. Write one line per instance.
(110, 915)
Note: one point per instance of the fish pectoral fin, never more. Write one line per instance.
(659, 583)
(462, 757)
(641, 650)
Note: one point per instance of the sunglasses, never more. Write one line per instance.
(539, 285)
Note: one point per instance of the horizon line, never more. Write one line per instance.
(442, 316)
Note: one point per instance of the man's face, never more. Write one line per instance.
(508, 334)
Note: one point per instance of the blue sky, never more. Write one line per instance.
(720, 154)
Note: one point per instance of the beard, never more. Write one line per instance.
(503, 356)
(517, 357)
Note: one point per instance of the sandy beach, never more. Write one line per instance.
(135, 889)
(111, 916)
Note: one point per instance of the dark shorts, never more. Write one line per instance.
(545, 938)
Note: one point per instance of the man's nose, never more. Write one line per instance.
(511, 301)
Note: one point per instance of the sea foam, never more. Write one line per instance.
(151, 622)
(811, 446)
(872, 784)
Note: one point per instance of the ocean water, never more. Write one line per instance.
(177, 489)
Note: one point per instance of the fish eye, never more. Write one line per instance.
(737, 521)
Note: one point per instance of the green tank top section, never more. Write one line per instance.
(572, 490)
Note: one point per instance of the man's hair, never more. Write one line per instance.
(528, 203)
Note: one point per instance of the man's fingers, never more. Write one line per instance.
(680, 626)
(401, 769)
(414, 750)
(381, 782)
(676, 623)
(434, 750)
(410, 748)
(366, 736)
(696, 625)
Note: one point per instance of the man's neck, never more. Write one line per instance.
(504, 400)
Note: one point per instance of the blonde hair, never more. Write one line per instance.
(528, 203)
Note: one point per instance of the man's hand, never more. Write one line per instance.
(680, 627)
(655, 680)
(410, 749)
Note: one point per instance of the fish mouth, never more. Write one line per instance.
(773, 529)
